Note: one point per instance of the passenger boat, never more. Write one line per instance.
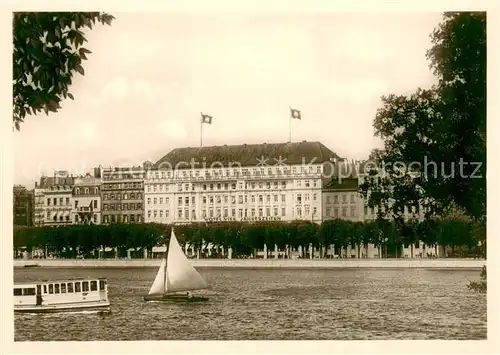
(176, 277)
(70, 295)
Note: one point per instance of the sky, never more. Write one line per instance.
(151, 74)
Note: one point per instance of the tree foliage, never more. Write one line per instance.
(434, 151)
(245, 238)
(48, 50)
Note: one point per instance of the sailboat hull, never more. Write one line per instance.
(175, 298)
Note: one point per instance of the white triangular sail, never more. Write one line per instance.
(181, 275)
(158, 287)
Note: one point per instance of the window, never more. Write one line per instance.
(44, 288)
(85, 286)
(63, 288)
(78, 287)
(283, 198)
(149, 200)
(70, 287)
(56, 288)
(344, 211)
(29, 291)
(102, 285)
(93, 285)
(18, 292)
(353, 211)
(51, 288)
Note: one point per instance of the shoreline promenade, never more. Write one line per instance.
(262, 263)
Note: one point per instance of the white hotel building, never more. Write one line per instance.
(238, 183)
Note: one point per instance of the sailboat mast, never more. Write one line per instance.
(165, 271)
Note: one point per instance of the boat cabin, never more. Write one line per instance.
(71, 293)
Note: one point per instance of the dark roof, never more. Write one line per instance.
(49, 181)
(248, 155)
(344, 184)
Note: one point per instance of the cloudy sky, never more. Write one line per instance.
(150, 75)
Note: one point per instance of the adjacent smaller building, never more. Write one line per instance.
(341, 200)
(54, 199)
(122, 195)
(87, 200)
(22, 206)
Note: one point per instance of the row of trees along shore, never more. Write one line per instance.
(459, 236)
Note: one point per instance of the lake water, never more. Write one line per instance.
(273, 304)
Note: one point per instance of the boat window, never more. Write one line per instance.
(29, 291)
(51, 288)
(18, 292)
(70, 287)
(38, 289)
(63, 288)
(44, 288)
(78, 287)
(56, 288)
(93, 285)
(102, 285)
(85, 286)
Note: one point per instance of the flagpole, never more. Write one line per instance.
(201, 133)
(290, 126)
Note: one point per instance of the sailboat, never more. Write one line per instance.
(176, 277)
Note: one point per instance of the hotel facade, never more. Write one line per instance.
(261, 182)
